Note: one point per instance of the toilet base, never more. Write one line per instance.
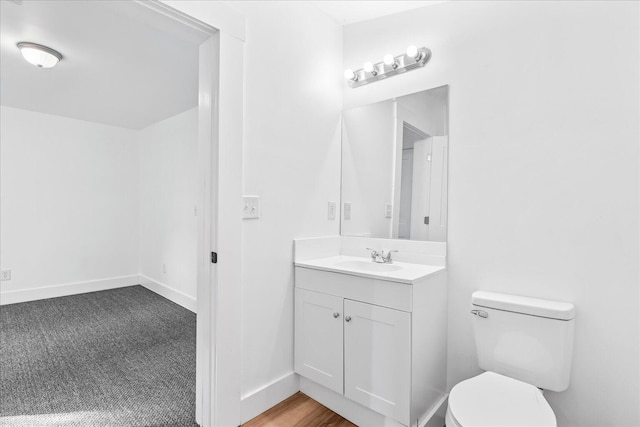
(449, 421)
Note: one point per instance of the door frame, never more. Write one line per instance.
(220, 106)
(402, 117)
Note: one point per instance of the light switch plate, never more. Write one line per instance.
(250, 207)
(347, 210)
(388, 210)
(331, 212)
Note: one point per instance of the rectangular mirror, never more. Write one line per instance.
(394, 168)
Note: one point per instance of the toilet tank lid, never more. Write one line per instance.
(525, 305)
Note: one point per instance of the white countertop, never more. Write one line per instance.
(404, 272)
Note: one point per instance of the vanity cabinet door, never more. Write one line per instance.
(377, 358)
(319, 338)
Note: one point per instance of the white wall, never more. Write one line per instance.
(543, 189)
(87, 206)
(427, 109)
(69, 201)
(168, 182)
(293, 95)
(368, 135)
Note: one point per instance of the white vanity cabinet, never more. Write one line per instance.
(377, 342)
(360, 350)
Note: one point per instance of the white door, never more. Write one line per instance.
(438, 190)
(377, 358)
(420, 191)
(318, 338)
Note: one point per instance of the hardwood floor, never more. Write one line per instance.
(301, 411)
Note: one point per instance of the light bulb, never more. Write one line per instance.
(350, 75)
(38, 55)
(369, 68)
(390, 61)
(412, 51)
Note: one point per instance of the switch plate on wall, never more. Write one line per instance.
(332, 211)
(388, 210)
(347, 210)
(5, 275)
(250, 207)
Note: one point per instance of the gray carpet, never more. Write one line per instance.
(122, 357)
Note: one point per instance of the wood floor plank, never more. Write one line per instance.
(299, 410)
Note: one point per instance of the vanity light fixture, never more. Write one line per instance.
(391, 65)
(38, 55)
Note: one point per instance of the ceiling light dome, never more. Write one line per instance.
(38, 55)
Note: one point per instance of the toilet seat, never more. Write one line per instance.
(494, 400)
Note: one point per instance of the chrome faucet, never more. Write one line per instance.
(386, 256)
(382, 257)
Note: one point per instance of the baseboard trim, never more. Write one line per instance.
(66, 289)
(168, 292)
(256, 402)
(435, 417)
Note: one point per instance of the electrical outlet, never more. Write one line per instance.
(332, 211)
(347, 210)
(250, 207)
(5, 275)
(164, 268)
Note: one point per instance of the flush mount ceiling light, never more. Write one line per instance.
(38, 55)
(390, 66)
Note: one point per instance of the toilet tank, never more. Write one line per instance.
(528, 339)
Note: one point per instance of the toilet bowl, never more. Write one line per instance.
(494, 400)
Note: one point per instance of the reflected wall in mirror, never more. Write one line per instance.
(394, 168)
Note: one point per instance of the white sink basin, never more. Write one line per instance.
(368, 266)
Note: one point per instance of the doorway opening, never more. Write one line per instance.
(115, 152)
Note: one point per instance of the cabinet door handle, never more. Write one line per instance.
(347, 319)
(336, 315)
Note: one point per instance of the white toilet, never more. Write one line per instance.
(524, 345)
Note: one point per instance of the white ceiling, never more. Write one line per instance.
(123, 64)
(349, 12)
